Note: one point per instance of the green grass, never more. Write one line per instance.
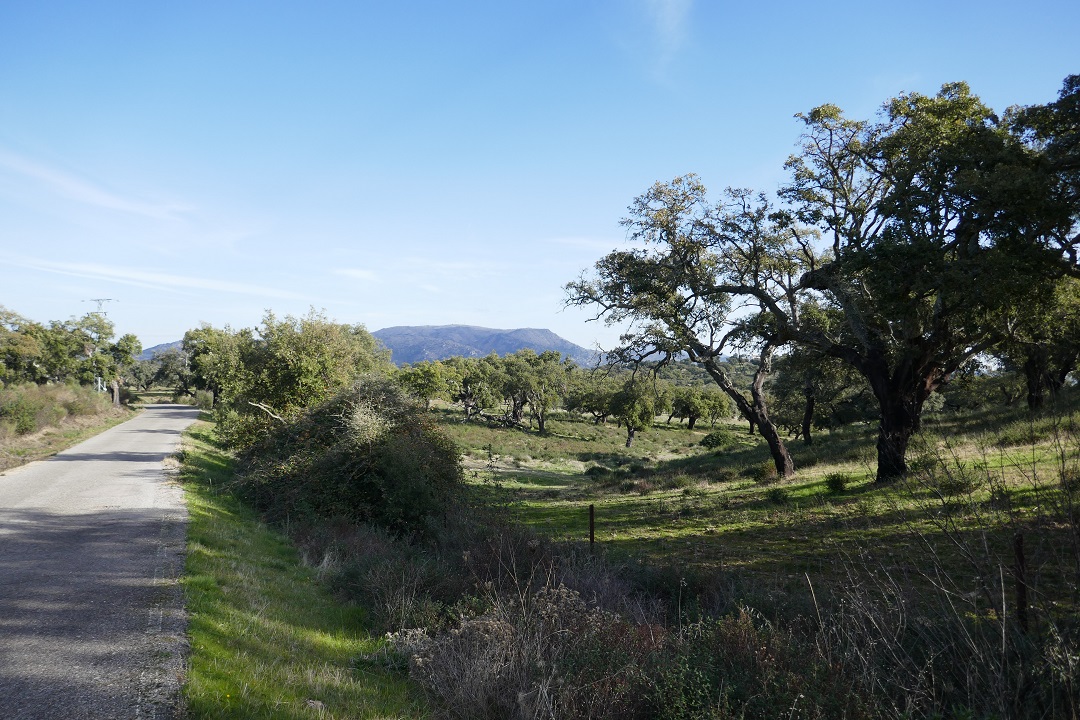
(668, 501)
(267, 640)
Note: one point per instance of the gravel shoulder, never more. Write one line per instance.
(92, 543)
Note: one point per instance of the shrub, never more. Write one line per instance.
(81, 401)
(723, 475)
(677, 482)
(28, 408)
(718, 439)
(777, 496)
(836, 482)
(21, 412)
(370, 453)
(762, 473)
(204, 399)
(541, 653)
(597, 471)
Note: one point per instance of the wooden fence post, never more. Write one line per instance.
(1019, 570)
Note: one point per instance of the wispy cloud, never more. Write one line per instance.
(461, 269)
(84, 191)
(357, 274)
(669, 18)
(151, 279)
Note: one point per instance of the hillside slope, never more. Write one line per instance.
(411, 344)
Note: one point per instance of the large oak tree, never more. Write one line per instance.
(938, 220)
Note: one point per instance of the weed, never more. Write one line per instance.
(762, 473)
(836, 482)
(777, 496)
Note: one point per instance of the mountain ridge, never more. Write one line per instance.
(416, 343)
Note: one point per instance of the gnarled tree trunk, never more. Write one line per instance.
(901, 395)
(808, 414)
(755, 410)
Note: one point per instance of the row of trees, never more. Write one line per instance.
(264, 376)
(269, 375)
(80, 350)
(527, 386)
(902, 248)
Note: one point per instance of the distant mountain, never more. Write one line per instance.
(410, 344)
(149, 353)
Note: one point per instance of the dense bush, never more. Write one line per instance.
(836, 482)
(368, 454)
(27, 408)
(536, 648)
(718, 439)
(261, 377)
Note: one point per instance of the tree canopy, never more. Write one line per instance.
(902, 248)
(272, 373)
(80, 350)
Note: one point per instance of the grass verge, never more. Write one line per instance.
(267, 640)
(18, 450)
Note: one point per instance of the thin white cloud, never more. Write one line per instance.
(85, 192)
(454, 268)
(357, 274)
(669, 18)
(150, 279)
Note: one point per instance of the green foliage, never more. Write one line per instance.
(78, 350)
(27, 408)
(635, 405)
(836, 482)
(425, 380)
(695, 402)
(369, 453)
(267, 639)
(762, 473)
(721, 439)
(591, 392)
(777, 496)
(204, 399)
(264, 377)
(942, 223)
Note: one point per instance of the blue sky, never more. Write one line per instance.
(424, 163)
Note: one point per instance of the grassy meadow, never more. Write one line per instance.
(670, 500)
(714, 590)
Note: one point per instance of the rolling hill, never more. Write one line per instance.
(414, 343)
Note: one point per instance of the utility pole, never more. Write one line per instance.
(100, 304)
(99, 382)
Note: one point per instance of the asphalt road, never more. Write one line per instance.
(91, 546)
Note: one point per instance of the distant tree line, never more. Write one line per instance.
(527, 386)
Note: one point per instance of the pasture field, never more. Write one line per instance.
(977, 482)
